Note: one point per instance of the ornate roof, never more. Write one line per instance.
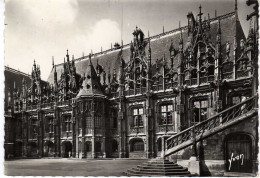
(160, 44)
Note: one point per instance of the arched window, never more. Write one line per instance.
(137, 145)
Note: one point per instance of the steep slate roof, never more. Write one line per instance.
(160, 45)
(14, 76)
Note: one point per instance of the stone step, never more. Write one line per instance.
(159, 173)
(140, 175)
(156, 167)
(158, 164)
(160, 170)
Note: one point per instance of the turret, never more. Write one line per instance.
(218, 41)
(180, 61)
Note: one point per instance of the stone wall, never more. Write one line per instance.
(211, 151)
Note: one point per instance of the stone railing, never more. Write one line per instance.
(221, 118)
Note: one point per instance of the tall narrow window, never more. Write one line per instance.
(98, 121)
(166, 114)
(66, 126)
(114, 119)
(200, 111)
(137, 117)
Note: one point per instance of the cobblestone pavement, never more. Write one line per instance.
(68, 167)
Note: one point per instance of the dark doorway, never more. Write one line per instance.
(239, 153)
(66, 149)
(31, 149)
(18, 149)
(48, 149)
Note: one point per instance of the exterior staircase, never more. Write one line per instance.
(158, 167)
(231, 116)
(162, 167)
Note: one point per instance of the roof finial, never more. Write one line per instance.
(90, 63)
(235, 5)
(200, 14)
(67, 52)
(163, 29)
(148, 34)
(219, 29)
(52, 61)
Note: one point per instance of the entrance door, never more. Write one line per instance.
(239, 153)
(66, 149)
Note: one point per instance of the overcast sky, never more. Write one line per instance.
(40, 29)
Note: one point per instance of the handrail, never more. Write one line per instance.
(212, 122)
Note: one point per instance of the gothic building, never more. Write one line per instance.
(146, 98)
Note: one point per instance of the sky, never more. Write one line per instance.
(39, 29)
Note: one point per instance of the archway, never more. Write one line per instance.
(31, 149)
(48, 149)
(238, 153)
(137, 145)
(88, 149)
(18, 149)
(98, 147)
(114, 146)
(66, 149)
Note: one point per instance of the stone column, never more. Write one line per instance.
(93, 128)
(74, 136)
(83, 120)
(163, 147)
(104, 147)
(149, 128)
(40, 133)
(93, 147)
(24, 134)
(122, 128)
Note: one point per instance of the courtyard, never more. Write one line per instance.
(68, 167)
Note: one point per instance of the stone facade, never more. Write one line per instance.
(124, 102)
